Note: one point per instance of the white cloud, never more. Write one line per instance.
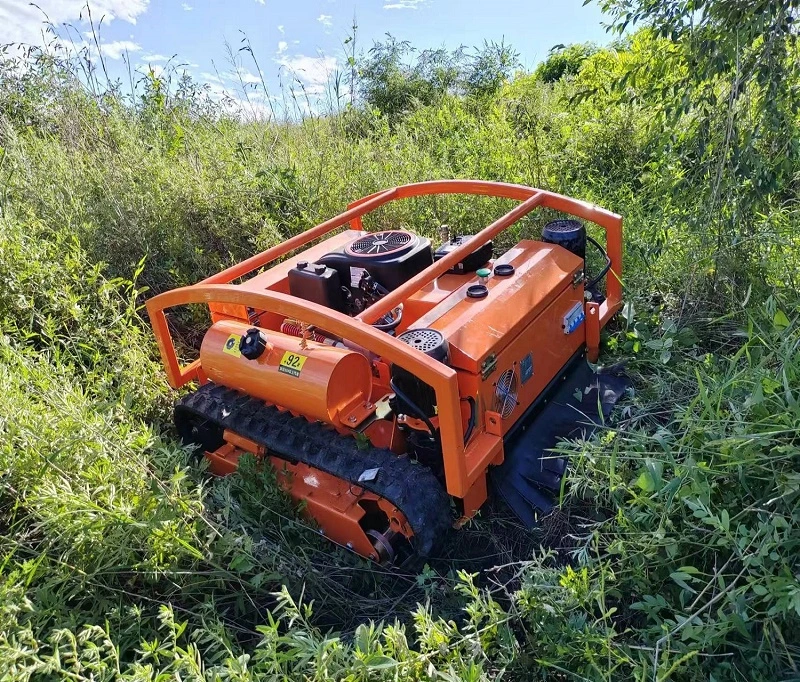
(145, 70)
(260, 2)
(149, 58)
(211, 78)
(282, 46)
(116, 49)
(281, 29)
(186, 7)
(243, 75)
(21, 22)
(405, 4)
(325, 19)
(313, 72)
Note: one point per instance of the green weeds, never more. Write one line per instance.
(673, 555)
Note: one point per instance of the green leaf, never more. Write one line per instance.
(645, 482)
(650, 479)
(780, 321)
(681, 578)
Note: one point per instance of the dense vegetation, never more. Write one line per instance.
(675, 552)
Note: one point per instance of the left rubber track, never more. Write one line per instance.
(408, 485)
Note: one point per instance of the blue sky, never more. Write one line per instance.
(300, 40)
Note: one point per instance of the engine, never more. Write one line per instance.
(350, 279)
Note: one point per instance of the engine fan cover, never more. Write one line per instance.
(382, 244)
(390, 257)
(506, 393)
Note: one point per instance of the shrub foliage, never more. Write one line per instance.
(674, 552)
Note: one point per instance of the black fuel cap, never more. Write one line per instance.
(477, 291)
(504, 269)
(253, 344)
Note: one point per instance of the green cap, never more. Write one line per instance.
(484, 272)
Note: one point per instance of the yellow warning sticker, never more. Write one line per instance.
(231, 346)
(292, 363)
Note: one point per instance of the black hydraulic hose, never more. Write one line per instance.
(394, 324)
(605, 270)
(472, 420)
(413, 407)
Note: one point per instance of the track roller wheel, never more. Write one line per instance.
(384, 551)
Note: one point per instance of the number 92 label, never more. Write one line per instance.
(292, 363)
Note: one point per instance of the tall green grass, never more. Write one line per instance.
(673, 555)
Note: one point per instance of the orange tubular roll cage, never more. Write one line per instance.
(463, 465)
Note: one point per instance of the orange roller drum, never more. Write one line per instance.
(320, 381)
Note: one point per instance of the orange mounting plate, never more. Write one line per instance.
(338, 507)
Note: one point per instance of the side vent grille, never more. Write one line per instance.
(505, 394)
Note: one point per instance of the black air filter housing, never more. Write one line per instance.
(416, 394)
(571, 234)
(392, 258)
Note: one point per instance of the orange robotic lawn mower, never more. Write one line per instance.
(386, 380)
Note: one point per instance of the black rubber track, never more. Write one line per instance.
(411, 487)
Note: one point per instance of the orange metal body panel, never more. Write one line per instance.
(478, 327)
(465, 465)
(319, 381)
(549, 348)
(429, 296)
(337, 506)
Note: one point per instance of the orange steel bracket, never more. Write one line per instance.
(592, 331)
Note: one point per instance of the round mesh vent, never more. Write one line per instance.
(380, 243)
(429, 341)
(563, 226)
(505, 393)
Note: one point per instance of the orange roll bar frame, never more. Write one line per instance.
(610, 222)
(440, 377)
(463, 466)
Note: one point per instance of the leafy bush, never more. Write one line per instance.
(564, 60)
(394, 85)
(676, 541)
